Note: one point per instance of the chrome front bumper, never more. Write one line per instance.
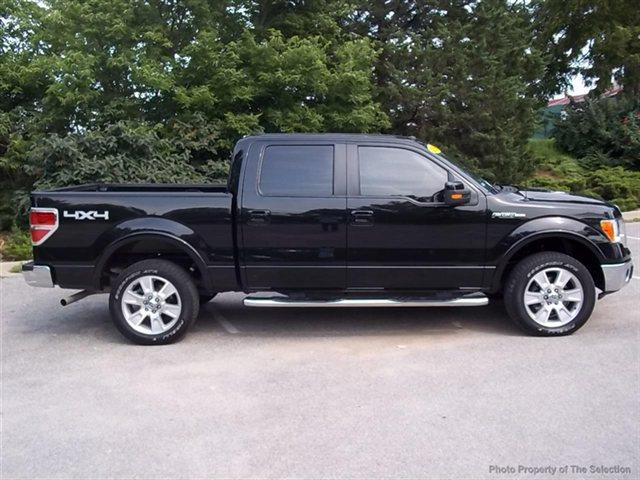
(617, 275)
(37, 275)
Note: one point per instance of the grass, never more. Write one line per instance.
(558, 171)
(15, 245)
(16, 268)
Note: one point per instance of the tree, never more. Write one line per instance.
(198, 74)
(301, 18)
(599, 39)
(603, 131)
(192, 69)
(460, 73)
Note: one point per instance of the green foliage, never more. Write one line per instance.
(599, 39)
(555, 170)
(16, 268)
(159, 91)
(16, 246)
(124, 90)
(7, 211)
(119, 153)
(601, 139)
(460, 74)
(602, 132)
(558, 171)
(615, 184)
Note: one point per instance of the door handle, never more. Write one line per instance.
(362, 213)
(362, 217)
(259, 216)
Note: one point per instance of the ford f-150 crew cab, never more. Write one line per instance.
(329, 220)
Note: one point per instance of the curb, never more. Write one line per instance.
(631, 216)
(5, 268)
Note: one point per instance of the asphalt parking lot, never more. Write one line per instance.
(335, 393)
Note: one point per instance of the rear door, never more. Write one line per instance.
(293, 216)
(401, 235)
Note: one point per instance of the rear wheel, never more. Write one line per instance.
(154, 302)
(550, 294)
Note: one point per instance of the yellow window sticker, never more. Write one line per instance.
(433, 149)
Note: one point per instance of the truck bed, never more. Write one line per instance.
(96, 220)
(142, 187)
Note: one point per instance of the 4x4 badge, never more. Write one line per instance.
(88, 215)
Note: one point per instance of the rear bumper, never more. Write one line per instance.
(617, 275)
(37, 275)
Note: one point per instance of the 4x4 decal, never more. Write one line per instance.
(88, 215)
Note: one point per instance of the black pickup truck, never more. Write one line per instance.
(330, 220)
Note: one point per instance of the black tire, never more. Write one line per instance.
(205, 298)
(514, 291)
(183, 283)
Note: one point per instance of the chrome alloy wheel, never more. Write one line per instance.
(553, 297)
(151, 305)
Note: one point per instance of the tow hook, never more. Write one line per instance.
(76, 296)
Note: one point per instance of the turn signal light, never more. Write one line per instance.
(610, 229)
(43, 222)
(456, 196)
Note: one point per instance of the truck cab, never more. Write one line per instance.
(332, 220)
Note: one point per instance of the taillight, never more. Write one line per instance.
(43, 222)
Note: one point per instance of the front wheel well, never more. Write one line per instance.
(573, 248)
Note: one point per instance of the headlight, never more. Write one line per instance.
(613, 230)
(622, 230)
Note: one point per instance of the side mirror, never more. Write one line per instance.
(455, 194)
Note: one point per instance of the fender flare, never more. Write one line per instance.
(523, 242)
(181, 244)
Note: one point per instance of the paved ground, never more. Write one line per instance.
(430, 393)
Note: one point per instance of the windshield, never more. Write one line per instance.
(484, 183)
(489, 186)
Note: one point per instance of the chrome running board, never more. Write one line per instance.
(475, 300)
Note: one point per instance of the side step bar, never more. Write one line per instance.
(464, 301)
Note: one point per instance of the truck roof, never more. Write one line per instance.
(344, 137)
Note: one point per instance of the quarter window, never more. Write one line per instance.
(297, 171)
(386, 171)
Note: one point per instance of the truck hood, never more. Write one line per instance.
(560, 197)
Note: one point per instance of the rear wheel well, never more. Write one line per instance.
(573, 248)
(149, 249)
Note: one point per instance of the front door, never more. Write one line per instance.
(401, 235)
(293, 217)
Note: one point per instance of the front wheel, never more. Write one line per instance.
(154, 302)
(550, 294)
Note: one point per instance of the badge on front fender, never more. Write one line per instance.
(508, 215)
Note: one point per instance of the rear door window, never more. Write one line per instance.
(297, 171)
